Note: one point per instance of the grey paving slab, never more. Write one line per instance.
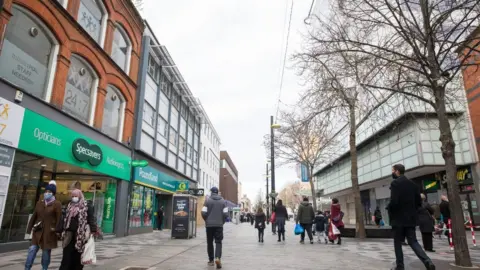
(242, 251)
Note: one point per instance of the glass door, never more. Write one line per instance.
(20, 204)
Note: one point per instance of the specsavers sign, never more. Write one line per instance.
(41, 136)
(156, 179)
(11, 119)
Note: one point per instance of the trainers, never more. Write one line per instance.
(218, 262)
(211, 263)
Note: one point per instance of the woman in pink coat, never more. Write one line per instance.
(336, 217)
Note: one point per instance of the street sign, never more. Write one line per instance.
(139, 163)
(196, 191)
(273, 195)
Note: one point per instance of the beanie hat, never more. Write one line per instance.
(52, 186)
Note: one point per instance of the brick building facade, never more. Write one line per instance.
(97, 34)
(228, 178)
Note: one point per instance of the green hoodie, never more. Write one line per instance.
(305, 214)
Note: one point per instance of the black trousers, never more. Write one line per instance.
(71, 258)
(427, 239)
(214, 234)
(274, 226)
(400, 233)
(260, 233)
(306, 228)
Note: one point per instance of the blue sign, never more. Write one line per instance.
(159, 180)
(304, 171)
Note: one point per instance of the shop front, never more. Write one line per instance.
(152, 189)
(47, 150)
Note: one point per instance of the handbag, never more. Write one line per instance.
(272, 218)
(298, 229)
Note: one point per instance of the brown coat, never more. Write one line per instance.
(50, 216)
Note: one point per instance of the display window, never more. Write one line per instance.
(142, 207)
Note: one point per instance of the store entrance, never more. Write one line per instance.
(31, 173)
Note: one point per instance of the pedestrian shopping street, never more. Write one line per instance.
(241, 251)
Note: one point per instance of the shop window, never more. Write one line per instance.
(148, 114)
(148, 196)
(121, 48)
(136, 209)
(28, 57)
(81, 90)
(92, 16)
(113, 113)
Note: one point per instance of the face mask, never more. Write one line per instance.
(47, 196)
(75, 199)
(394, 176)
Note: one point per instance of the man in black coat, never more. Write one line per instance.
(403, 208)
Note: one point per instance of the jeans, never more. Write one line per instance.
(32, 253)
(214, 233)
(400, 233)
(260, 234)
(306, 228)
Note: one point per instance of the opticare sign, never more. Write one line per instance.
(83, 151)
(44, 137)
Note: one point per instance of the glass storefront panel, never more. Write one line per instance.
(142, 207)
(30, 174)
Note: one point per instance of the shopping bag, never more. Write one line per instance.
(335, 230)
(88, 255)
(331, 235)
(382, 223)
(298, 229)
(272, 218)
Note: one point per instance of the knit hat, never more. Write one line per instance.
(52, 186)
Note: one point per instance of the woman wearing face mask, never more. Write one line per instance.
(78, 217)
(43, 223)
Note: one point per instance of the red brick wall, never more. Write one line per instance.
(228, 186)
(74, 40)
(471, 78)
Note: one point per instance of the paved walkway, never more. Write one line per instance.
(241, 251)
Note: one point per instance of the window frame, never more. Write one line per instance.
(93, 94)
(128, 56)
(103, 23)
(52, 61)
(121, 117)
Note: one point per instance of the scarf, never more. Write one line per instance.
(78, 210)
(49, 201)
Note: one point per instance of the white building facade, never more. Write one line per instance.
(210, 155)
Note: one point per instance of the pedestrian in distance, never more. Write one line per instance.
(377, 215)
(336, 218)
(260, 219)
(252, 219)
(426, 222)
(281, 215)
(320, 223)
(215, 213)
(79, 220)
(160, 215)
(404, 203)
(43, 227)
(305, 217)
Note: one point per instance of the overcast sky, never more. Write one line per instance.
(230, 54)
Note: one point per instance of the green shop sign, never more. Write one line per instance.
(47, 138)
(153, 178)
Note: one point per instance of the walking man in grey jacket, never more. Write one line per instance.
(214, 212)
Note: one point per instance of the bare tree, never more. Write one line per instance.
(419, 48)
(259, 202)
(338, 93)
(289, 197)
(302, 141)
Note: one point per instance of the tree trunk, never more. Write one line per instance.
(312, 188)
(462, 254)
(359, 225)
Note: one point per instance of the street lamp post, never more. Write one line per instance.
(268, 195)
(272, 157)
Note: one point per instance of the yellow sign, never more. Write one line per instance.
(431, 185)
